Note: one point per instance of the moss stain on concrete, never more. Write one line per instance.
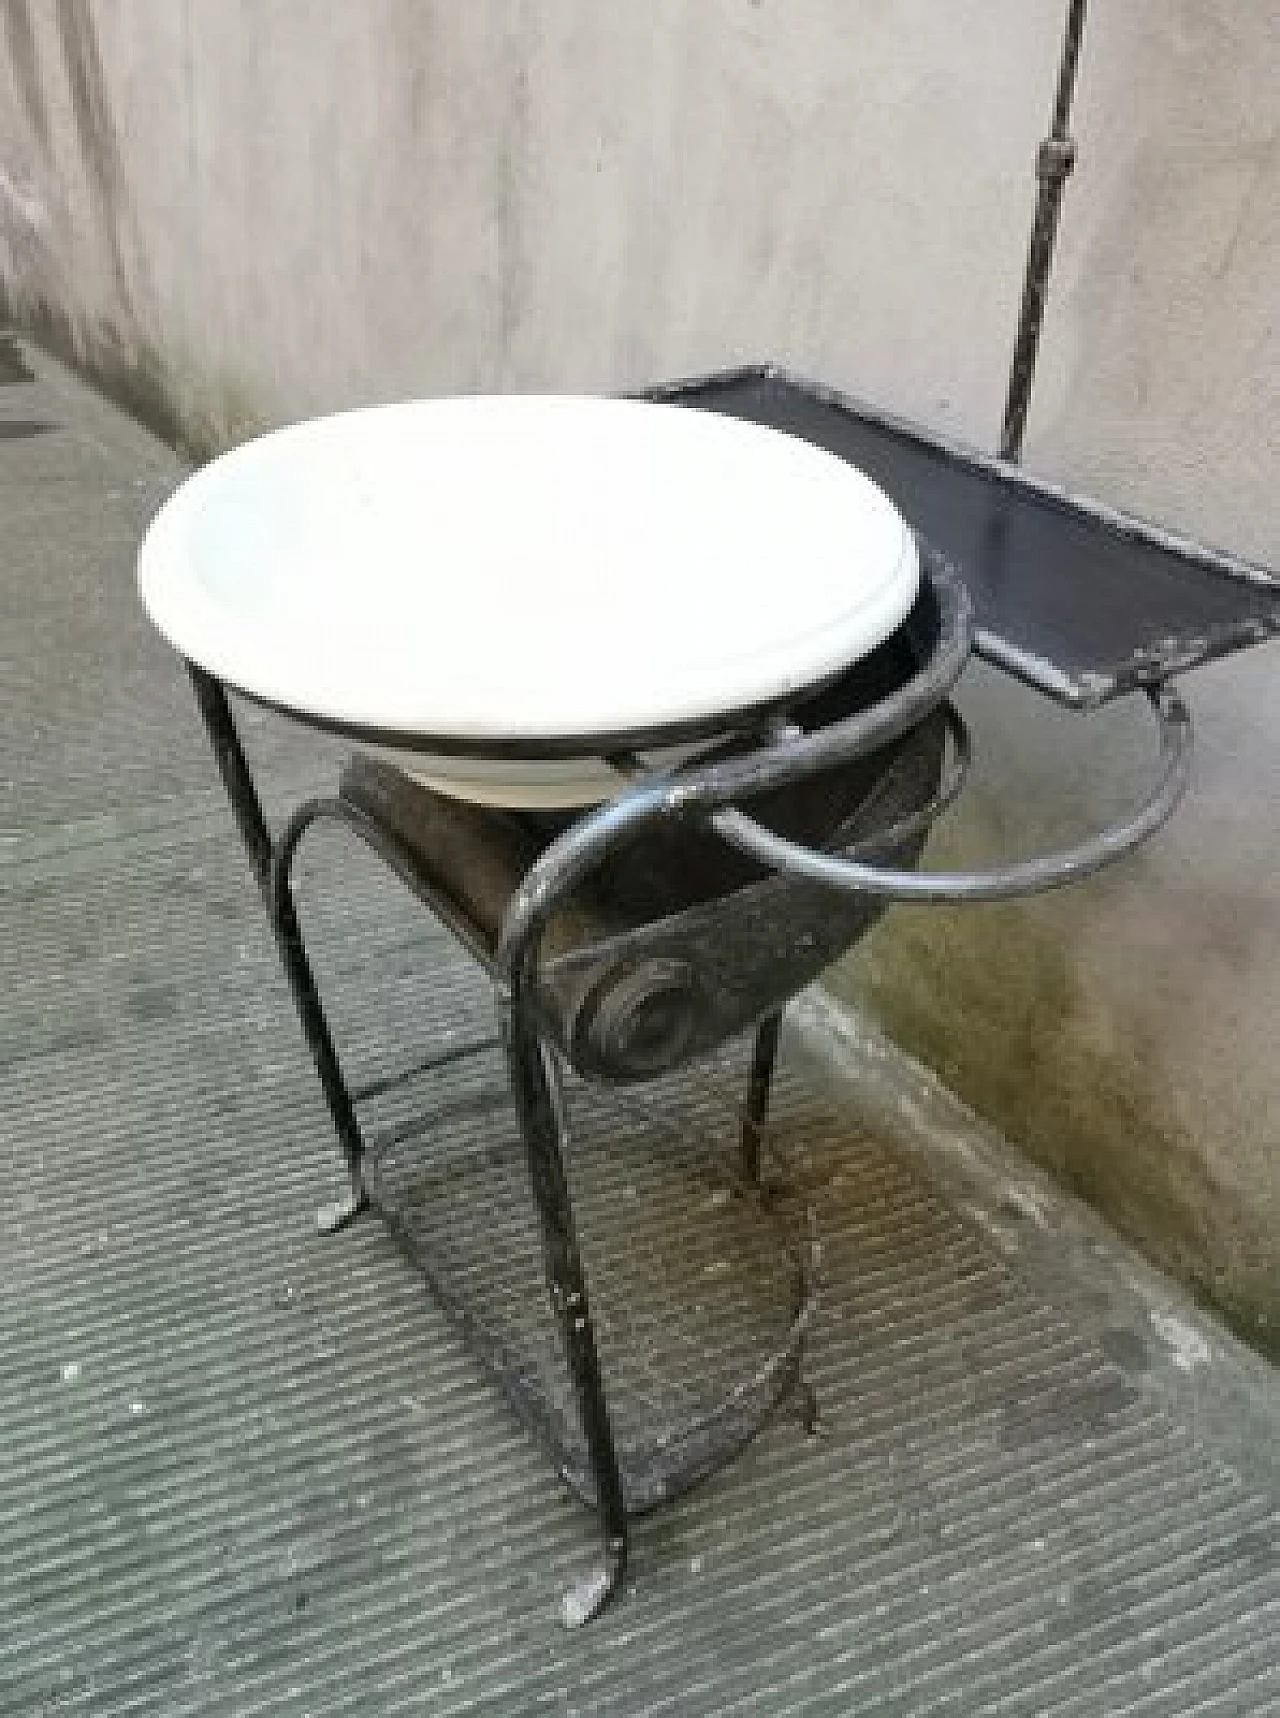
(990, 999)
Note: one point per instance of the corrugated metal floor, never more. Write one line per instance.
(244, 1469)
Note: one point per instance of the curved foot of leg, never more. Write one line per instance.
(589, 1596)
(331, 1219)
(806, 1403)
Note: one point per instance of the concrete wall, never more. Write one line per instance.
(291, 205)
(249, 211)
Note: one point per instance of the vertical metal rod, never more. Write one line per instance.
(541, 1125)
(552, 876)
(315, 1027)
(271, 871)
(233, 767)
(1054, 161)
(764, 1053)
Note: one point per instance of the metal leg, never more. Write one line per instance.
(764, 1054)
(271, 869)
(537, 1101)
(807, 1411)
(284, 918)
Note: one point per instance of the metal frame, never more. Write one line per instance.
(706, 794)
(596, 1472)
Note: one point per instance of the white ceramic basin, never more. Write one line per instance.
(502, 589)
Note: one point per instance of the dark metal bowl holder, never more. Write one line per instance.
(643, 936)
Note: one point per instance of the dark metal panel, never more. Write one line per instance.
(1078, 600)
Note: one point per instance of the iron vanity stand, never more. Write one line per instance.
(642, 934)
(692, 906)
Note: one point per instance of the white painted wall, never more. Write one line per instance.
(265, 208)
